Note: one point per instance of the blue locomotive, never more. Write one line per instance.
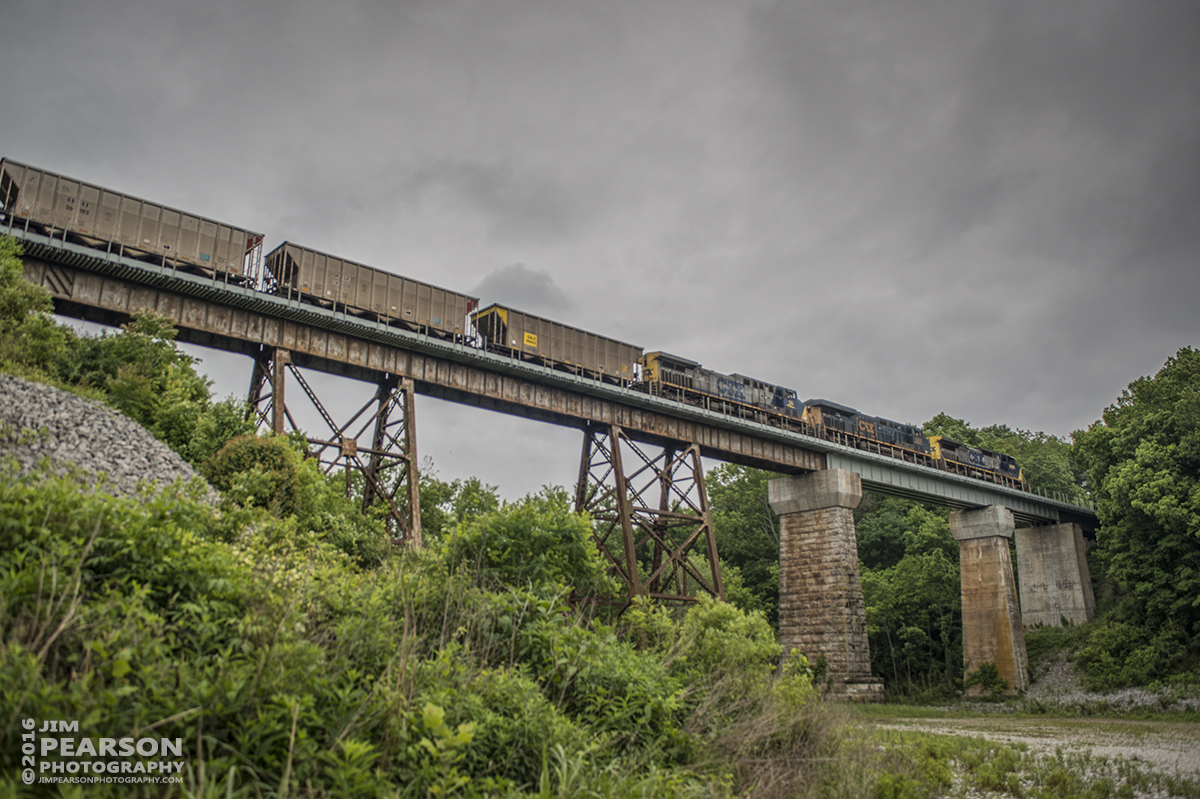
(686, 381)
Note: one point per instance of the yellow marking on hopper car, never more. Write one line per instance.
(531, 340)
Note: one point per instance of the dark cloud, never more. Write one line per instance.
(517, 205)
(527, 290)
(983, 208)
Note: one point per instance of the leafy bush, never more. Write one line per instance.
(987, 678)
(261, 472)
(723, 643)
(536, 541)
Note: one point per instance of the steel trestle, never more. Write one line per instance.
(388, 465)
(650, 513)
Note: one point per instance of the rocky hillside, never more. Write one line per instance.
(39, 422)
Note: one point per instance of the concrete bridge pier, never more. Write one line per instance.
(992, 630)
(1055, 583)
(821, 609)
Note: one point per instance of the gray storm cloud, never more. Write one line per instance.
(978, 207)
(527, 289)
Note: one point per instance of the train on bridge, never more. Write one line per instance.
(97, 217)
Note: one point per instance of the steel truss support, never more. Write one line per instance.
(388, 464)
(649, 513)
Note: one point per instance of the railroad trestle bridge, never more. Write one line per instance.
(641, 473)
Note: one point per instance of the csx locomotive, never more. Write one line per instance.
(97, 217)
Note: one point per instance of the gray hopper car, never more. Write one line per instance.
(365, 291)
(97, 217)
(540, 340)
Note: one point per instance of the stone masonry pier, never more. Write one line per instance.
(992, 630)
(1055, 583)
(821, 609)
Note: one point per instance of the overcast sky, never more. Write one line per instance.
(990, 209)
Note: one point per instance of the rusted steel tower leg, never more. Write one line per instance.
(383, 398)
(410, 450)
(583, 488)
(386, 466)
(259, 378)
(616, 478)
(625, 515)
(269, 408)
(279, 359)
(388, 450)
(710, 538)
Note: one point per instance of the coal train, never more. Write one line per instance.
(72, 210)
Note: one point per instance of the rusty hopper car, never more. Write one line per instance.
(98, 217)
(365, 291)
(532, 338)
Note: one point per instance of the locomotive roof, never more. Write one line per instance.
(675, 359)
(824, 403)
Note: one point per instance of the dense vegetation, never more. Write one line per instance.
(139, 371)
(295, 650)
(1142, 462)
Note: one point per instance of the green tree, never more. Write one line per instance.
(445, 505)
(143, 375)
(879, 525)
(914, 607)
(31, 342)
(1045, 459)
(1143, 462)
(747, 534)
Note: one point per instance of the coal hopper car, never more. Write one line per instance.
(83, 213)
(543, 341)
(360, 290)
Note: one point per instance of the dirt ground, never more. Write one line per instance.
(1164, 747)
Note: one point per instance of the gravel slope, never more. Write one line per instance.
(38, 421)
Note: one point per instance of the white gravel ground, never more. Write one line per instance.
(1154, 747)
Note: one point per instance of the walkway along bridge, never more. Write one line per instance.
(640, 477)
